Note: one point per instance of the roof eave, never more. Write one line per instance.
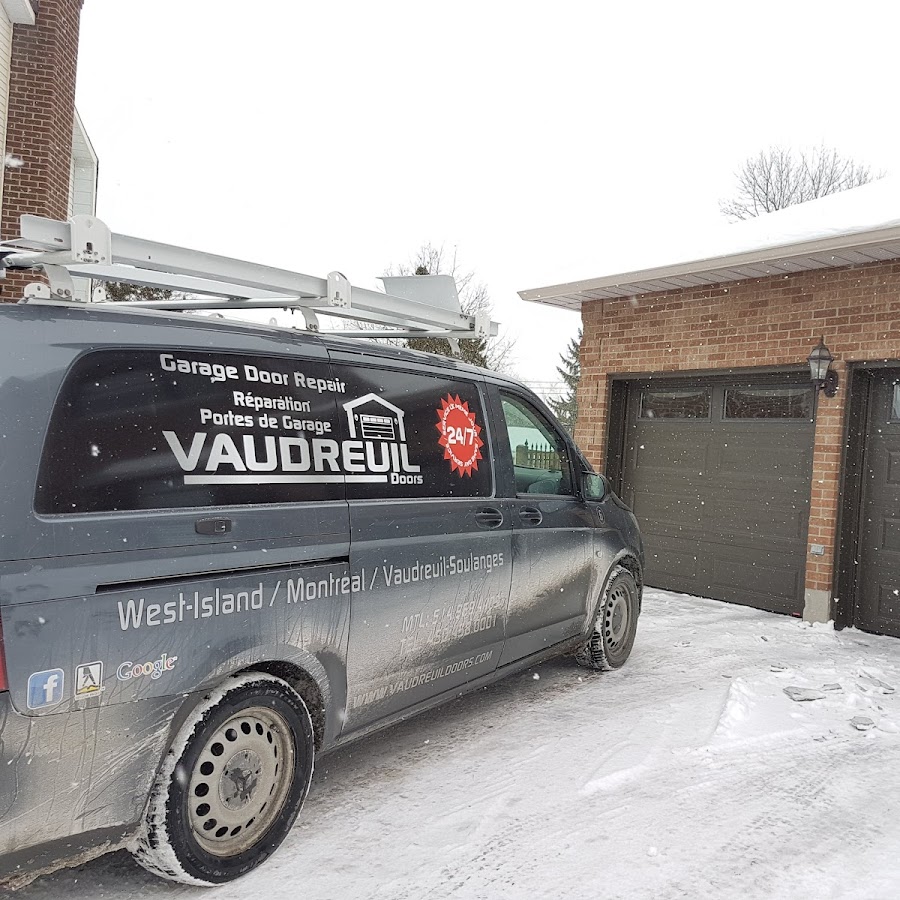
(19, 12)
(566, 295)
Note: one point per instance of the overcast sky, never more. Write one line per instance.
(537, 139)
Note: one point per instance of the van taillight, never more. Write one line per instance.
(4, 684)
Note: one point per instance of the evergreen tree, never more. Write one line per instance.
(122, 291)
(566, 407)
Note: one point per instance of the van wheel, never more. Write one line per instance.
(232, 784)
(615, 626)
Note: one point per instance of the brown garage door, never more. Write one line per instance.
(878, 597)
(718, 473)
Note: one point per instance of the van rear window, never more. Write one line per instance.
(139, 429)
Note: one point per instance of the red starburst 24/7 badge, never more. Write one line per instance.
(460, 435)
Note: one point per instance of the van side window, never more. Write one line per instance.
(165, 429)
(540, 457)
(414, 435)
(162, 429)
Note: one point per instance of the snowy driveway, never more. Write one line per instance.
(690, 773)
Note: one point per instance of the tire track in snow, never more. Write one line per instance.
(794, 808)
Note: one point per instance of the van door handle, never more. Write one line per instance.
(531, 515)
(213, 526)
(489, 517)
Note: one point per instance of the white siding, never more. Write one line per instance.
(82, 173)
(5, 54)
(70, 203)
(83, 188)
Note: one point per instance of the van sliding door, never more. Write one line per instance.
(430, 545)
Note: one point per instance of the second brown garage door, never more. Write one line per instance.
(878, 598)
(718, 473)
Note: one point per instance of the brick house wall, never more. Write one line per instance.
(773, 321)
(39, 127)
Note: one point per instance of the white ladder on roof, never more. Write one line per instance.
(418, 305)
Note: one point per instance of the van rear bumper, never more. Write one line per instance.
(84, 773)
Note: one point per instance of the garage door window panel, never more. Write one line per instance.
(668, 405)
(773, 403)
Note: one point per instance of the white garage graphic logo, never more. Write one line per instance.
(373, 418)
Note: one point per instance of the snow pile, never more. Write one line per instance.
(822, 700)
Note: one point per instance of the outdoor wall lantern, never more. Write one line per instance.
(823, 377)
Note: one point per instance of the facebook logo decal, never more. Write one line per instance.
(45, 688)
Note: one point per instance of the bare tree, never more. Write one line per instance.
(491, 353)
(780, 177)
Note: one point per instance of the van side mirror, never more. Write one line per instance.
(593, 486)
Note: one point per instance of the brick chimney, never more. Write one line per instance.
(39, 126)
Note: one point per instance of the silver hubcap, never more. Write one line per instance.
(242, 771)
(241, 780)
(615, 617)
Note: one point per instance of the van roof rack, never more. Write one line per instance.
(83, 246)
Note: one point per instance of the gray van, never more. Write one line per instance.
(227, 548)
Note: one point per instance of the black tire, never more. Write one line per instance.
(615, 625)
(232, 785)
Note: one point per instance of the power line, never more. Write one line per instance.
(546, 385)
(547, 390)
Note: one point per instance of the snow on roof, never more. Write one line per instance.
(856, 226)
